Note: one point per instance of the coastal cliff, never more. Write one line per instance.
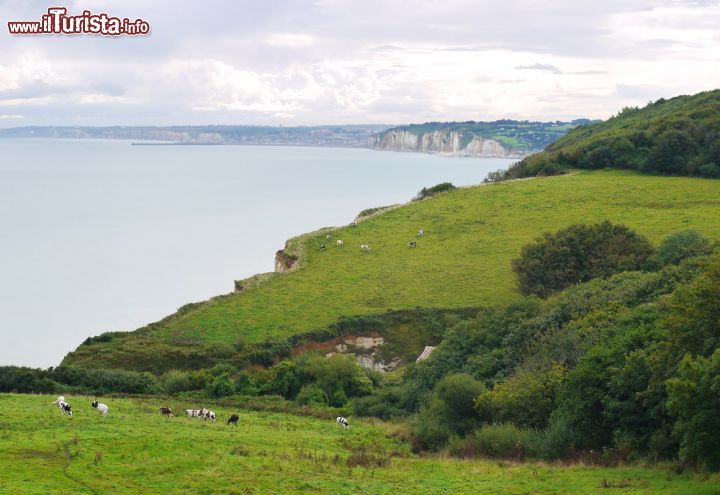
(442, 142)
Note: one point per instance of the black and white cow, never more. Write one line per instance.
(166, 411)
(65, 408)
(412, 244)
(233, 419)
(342, 422)
(101, 408)
(322, 247)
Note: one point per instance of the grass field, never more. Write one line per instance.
(472, 234)
(136, 451)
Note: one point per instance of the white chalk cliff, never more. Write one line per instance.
(454, 143)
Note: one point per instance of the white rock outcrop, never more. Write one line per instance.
(451, 143)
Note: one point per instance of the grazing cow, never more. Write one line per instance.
(233, 419)
(101, 408)
(412, 244)
(342, 422)
(339, 242)
(59, 400)
(322, 247)
(166, 411)
(364, 247)
(421, 232)
(65, 408)
(328, 237)
(209, 415)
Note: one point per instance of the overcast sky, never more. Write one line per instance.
(366, 61)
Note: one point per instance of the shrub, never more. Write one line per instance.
(175, 381)
(507, 441)
(577, 254)
(427, 192)
(221, 386)
(709, 170)
(384, 404)
(527, 399)
(338, 376)
(450, 410)
(312, 395)
(679, 246)
(694, 398)
(244, 384)
(430, 430)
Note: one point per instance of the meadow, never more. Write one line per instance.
(472, 234)
(134, 450)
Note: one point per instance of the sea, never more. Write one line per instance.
(103, 235)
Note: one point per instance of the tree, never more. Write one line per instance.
(577, 254)
(450, 411)
(694, 397)
(221, 386)
(671, 152)
(679, 246)
(527, 399)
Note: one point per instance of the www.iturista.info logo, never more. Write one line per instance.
(56, 21)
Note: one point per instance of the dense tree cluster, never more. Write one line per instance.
(679, 136)
(577, 254)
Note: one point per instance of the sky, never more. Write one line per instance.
(287, 62)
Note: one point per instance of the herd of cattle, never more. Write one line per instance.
(201, 413)
(366, 247)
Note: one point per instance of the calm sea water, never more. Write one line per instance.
(101, 235)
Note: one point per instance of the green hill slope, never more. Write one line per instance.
(679, 136)
(463, 260)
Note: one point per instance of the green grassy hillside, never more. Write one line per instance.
(472, 234)
(136, 451)
(678, 136)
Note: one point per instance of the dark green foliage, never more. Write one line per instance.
(694, 398)
(339, 377)
(501, 441)
(282, 379)
(693, 319)
(384, 403)
(680, 246)
(175, 381)
(577, 254)
(427, 192)
(245, 385)
(678, 136)
(525, 400)
(76, 380)
(450, 411)
(312, 395)
(221, 386)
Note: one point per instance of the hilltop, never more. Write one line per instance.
(677, 136)
(463, 261)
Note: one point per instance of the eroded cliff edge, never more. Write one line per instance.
(442, 142)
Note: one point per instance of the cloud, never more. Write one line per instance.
(298, 62)
(290, 40)
(541, 67)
